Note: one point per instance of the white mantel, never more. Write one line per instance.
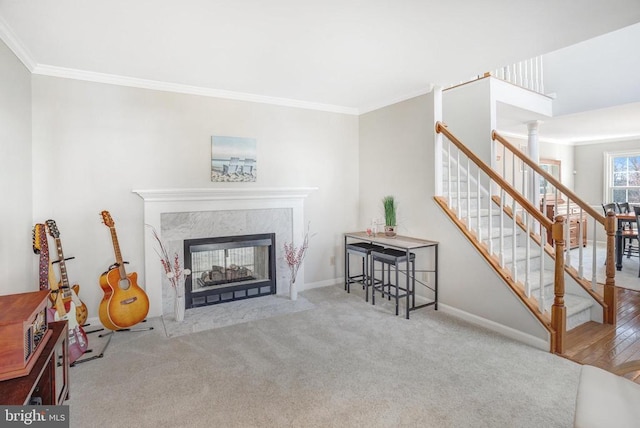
(161, 201)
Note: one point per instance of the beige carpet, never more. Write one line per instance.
(231, 313)
(342, 363)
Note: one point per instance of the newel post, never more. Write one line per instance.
(610, 295)
(559, 310)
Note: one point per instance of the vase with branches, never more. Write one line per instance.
(294, 257)
(174, 271)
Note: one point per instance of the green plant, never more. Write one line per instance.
(389, 204)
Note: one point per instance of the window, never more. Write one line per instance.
(623, 177)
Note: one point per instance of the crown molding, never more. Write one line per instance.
(23, 54)
(14, 43)
(113, 79)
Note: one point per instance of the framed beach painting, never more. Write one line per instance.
(233, 159)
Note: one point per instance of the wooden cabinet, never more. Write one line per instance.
(48, 381)
(575, 222)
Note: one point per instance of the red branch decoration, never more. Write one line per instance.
(294, 256)
(172, 270)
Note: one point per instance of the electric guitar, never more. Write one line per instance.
(77, 337)
(41, 247)
(69, 294)
(124, 303)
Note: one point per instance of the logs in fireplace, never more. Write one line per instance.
(229, 268)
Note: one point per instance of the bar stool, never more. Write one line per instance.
(360, 249)
(390, 257)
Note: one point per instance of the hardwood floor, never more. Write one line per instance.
(607, 346)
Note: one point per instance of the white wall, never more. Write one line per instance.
(397, 145)
(469, 114)
(562, 152)
(16, 252)
(597, 73)
(565, 154)
(589, 167)
(94, 143)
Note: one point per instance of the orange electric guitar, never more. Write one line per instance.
(124, 303)
(67, 293)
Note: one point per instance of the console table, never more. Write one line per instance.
(48, 380)
(403, 243)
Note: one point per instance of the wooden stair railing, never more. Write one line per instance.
(556, 325)
(608, 298)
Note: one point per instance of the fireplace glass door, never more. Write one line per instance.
(229, 268)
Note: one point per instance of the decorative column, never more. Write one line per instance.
(533, 150)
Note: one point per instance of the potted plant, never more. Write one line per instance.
(389, 204)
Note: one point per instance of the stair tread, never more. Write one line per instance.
(576, 304)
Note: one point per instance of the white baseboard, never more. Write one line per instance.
(325, 283)
(536, 342)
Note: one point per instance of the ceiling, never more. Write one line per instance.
(348, 56)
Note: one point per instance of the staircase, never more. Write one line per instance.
(481, 202)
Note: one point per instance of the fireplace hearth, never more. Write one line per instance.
(229, 268)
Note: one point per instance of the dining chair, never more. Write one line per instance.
(627, 232)
(624, 208)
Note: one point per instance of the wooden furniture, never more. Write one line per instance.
(48, 381)
(575, 221)
(23, 332)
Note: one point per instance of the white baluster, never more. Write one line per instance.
(537, 74)
(595, 258)
(468, 194)
(490, 207)
(580, 246)
(527, 271)
(520, 74)
(501, 246)
(515, 223)
(513, 241)
(541, 78)
(543, 238)
(479, 206)
(502, 205)
(459, 208)
(449, 189)
(567, 242)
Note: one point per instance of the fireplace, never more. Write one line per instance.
(181, 214)
(229, 268)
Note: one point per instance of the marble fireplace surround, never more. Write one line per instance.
(178, 214)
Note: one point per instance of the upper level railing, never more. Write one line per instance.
(468, 182)
(552, 198)
(526, 74)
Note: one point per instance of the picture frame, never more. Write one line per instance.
(234, 159)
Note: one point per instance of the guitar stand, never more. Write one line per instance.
(110, 334)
